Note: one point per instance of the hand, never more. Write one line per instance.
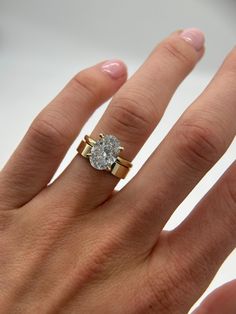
(76, 245)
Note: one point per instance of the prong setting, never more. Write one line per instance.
(105, 152)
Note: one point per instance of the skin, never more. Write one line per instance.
(76, 245)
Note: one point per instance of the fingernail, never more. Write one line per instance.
(194, 37)
(115, 68)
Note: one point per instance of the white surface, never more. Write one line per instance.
(44, 43)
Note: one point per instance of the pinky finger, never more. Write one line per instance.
(221, 300)
(201, 243)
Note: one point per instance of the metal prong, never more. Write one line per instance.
(101, 135)
(121, 148)
(109, 168)
(88, 154)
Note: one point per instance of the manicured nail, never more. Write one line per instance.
(115, 68)
(194, 37)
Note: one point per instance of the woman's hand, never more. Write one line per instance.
(78, 246)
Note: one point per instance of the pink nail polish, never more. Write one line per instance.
(115, 68)
(194, 37)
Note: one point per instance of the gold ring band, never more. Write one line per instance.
(119, 167)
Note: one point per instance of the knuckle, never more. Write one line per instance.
(129, 116)
(176, 51)
(87, 84)
(198, 145)
(104, 255)
(46, 134)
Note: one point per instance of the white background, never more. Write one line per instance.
(44, 43)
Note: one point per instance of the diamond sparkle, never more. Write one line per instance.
(104, 152)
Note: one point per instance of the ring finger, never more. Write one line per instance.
(134, 113)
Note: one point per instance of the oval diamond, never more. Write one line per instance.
(104, 152)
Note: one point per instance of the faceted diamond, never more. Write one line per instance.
(104, 152)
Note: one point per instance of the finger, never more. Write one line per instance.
(221, 300)
(135, 111)
(39, 154)
(197, 248)
(208, 235)
(192, 147)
